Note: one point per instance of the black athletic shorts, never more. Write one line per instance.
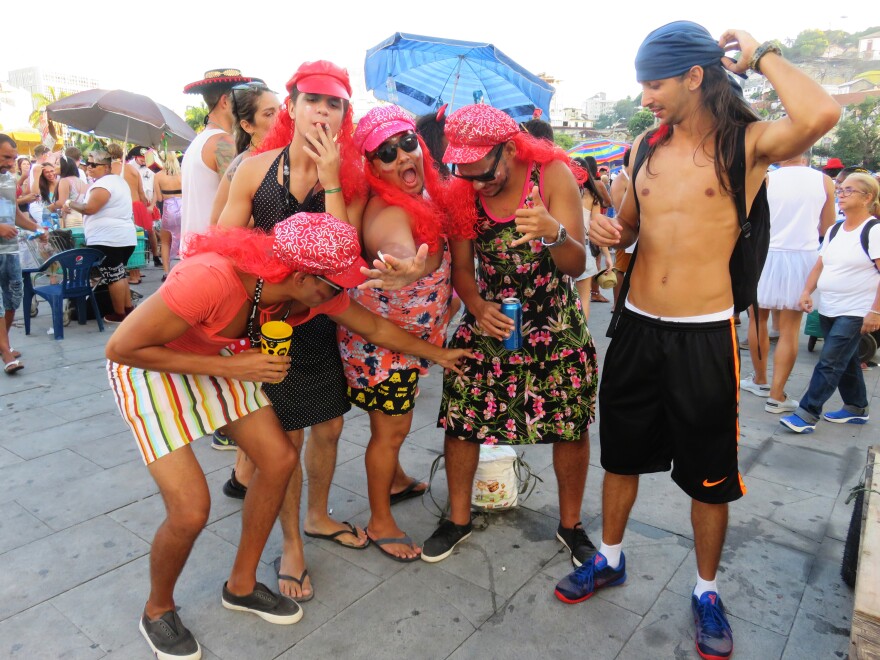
(669, 397)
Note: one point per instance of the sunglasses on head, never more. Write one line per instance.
(387, 151)
(485, 177)
(254, 86)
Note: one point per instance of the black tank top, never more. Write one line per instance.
(273, 202)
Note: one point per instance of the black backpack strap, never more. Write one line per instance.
(641, 155)
(866, 231)
(834, 229)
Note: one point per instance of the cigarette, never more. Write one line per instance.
(382, 259)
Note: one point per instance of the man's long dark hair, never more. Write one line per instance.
(729, 112)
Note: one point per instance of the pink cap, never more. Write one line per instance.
(321, 77)
(320, 244)
(473, 130)
(379, 124)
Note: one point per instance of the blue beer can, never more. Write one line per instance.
(512, 308)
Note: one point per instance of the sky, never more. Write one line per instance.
(157, 47)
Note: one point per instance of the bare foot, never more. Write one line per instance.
(293, 563)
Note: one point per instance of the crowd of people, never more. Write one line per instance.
(367, 238)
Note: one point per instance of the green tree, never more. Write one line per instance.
(195, 116)
(809, 44)
(563, 140)
(605, 120)
(43, 100)
(857, 141)
(639, 123)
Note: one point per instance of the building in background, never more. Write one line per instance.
(37, 80)
(598, 105)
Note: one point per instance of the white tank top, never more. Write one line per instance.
(199, 185)
(796, 195)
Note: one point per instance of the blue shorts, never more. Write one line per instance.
(11, 283)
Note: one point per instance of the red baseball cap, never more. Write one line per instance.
(473, 130)
(320, 244)
(833, 164)
(379, 124)
(321, 77)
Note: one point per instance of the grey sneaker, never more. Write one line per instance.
(265, 604)
(749, 385)
(169, 638)
(779, 407)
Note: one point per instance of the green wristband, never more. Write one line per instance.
(332, 190)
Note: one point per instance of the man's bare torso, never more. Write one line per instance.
(687, 233)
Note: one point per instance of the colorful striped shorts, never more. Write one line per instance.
(168, 411)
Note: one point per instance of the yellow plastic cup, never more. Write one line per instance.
(275, 337)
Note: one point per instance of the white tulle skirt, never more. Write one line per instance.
(783, 278)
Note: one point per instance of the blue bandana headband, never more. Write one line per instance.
(673, 49)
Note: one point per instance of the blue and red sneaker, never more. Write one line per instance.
(714, 637)
(576, 587)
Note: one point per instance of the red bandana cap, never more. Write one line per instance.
(319, 244)
(379, 124)
(321, 77)
(473, 130)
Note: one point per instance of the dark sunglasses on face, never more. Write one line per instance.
(387, 151)
(336, 288)
(91, 163)
(485, 177)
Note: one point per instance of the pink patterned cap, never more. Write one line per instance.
(379, 124)
(473, 130)
(319, 244)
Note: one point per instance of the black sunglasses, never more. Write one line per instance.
(255, 86)
(336, 288)
(90, 163)
(387, 151)
(485, 177)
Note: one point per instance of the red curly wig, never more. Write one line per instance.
(250, 250)
(351, 174)
(460, 198)
(427, 216)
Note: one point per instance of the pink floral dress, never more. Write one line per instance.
(545, 392)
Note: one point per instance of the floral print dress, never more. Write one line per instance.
(544, 392)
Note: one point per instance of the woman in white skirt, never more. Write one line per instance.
(801, 209)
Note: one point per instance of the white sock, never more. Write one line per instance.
(611, 553)
(704, 585)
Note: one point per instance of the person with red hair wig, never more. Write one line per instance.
(404, 217)
(517, 209)
(306, 162)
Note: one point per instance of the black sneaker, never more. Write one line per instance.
(233, 488)
(577, 542)
(169, 638)
(444, 539)
(265, 604)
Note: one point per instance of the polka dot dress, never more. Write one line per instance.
(314, 390)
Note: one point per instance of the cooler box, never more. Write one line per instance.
(79, 237)
(138, 258)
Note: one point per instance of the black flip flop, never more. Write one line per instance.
(405, 540)
(334, 537)
(408, 493)
(302, 578)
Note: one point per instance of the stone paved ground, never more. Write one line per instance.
(79, 511)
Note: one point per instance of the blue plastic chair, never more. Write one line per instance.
(75, 272)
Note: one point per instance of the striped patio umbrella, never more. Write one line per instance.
(604, 151)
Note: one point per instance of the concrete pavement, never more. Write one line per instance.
(79, 511)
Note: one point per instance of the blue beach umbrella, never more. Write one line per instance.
(421, 74)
